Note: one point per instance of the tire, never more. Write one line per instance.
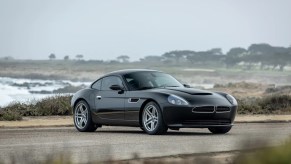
(82, 117)
(152, 119)
(219, 130)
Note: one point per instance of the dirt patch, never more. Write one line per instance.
(262, 118)
(41, 121)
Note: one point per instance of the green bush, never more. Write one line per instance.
(274, 104)
(57, 105)
(9, 116)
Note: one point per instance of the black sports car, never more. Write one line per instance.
(153, 101)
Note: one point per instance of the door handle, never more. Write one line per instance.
(98, 97)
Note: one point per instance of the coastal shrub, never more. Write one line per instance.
(249, 106)
(274, 104)
(279, 90)
(56, 105)
(9, 115)
(246, 85)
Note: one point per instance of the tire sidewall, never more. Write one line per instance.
(160, 118)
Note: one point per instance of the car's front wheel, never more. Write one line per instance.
(152, 119)
(219, 130)
(82, 117)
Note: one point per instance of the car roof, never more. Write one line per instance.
(127, 71)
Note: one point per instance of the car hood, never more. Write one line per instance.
(189, 91)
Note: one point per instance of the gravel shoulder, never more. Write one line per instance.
(64, 121)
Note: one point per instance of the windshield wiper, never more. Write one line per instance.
(168, 86)
(144, 88)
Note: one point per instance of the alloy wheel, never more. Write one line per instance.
(81, 115)
(150, 118)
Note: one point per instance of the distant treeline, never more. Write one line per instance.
(262, 56)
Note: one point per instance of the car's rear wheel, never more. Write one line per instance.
(82, 117)
(219, 130)
(152, 119)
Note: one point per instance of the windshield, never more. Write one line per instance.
(148, 80)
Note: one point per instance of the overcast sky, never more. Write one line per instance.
(106, 29)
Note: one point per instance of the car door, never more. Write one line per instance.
(110, 103)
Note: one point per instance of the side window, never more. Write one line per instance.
(107, 82)
(97, 85)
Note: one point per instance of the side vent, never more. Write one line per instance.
(133, 100)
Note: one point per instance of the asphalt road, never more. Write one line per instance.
(126, 142)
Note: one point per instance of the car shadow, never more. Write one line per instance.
(169, 133)
(187, 133)
(121, 131)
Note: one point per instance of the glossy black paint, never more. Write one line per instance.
(123, 107)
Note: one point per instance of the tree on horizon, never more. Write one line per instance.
(66, 57)
(79, 56)
(52, 56)
(123, 58)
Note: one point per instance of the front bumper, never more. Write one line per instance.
(184, 117)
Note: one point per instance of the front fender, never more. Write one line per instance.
(84, 94)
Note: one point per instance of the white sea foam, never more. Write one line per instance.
(8, 90)
(5, 100)
(19, 90)
(78, 83)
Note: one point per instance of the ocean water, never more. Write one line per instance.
(23, 90)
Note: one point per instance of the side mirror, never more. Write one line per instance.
(186, 86)
(116, 87)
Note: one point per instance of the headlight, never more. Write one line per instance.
(176, 100)
(231, 99)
